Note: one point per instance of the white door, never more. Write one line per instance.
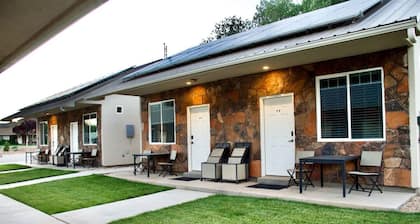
(199, 136)
(74, 137)
(54, 137)
(278, 134)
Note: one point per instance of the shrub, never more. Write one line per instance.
(6, 146)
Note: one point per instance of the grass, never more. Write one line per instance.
(8, 178)
(8, 167)
(80, 192)
(233, 209)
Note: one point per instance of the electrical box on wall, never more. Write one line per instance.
(129, 130)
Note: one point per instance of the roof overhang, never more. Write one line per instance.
(25, 25)
(248, 62)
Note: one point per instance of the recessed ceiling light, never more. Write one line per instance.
(265, 67)
(190, 82)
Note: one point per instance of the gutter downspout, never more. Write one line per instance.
(413, 53)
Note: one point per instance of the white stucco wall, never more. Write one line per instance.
(117, 149)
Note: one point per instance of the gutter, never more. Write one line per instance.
(411, 23)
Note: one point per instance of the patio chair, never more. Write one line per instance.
(144, 163)
(90, 159)
(167, 166)
(306, 172)
(212, 168)
(371, 160)
(43, 156)
(236, 168)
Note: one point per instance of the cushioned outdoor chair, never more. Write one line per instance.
(371, 160)
(166, 167)
(43, 156)
(306, 172)
(236, 168)
(212, 168)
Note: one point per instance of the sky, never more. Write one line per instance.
(115, 36)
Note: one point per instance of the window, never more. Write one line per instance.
(350, 106)
(43, 133)
(162, 122)
(90, 131)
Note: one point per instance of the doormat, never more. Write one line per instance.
(269, 186)
(185, 178)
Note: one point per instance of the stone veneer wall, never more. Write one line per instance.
(236, 101)
(63, 121)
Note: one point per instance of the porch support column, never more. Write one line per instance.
(414, 110)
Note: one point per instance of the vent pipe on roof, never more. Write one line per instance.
(165, 51)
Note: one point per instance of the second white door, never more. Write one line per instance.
(74, 137)
(278, 134)
(54, 137)
(199, 136)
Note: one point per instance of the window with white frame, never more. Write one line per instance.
(43, 133)
(162, 122)
(350, 106)
(90, 130)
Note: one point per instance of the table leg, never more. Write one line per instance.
(134, 163)
(65, 160)
(322, 174)
(300, 176)
(26, 157)
(343, 177)
(148, 166)
(356, 167)
(74, 164)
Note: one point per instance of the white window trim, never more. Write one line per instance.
(150, 123)
(83, 128)
(41, 134)
(318, 107)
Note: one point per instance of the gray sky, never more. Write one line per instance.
(119, 34)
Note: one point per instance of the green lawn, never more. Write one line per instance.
(80, 192)
(7, 178)
(7, 167)
(233, 209)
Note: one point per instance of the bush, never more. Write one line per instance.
(6, 146)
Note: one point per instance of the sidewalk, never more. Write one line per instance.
(14, 212)
(66, 176)
(130, 207)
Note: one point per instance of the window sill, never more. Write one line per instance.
(352, 140)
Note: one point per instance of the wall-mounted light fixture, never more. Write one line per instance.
(190, 82)
(265, 67)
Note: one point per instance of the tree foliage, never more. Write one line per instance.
(25, 128)
(269, 11)
(229, 26)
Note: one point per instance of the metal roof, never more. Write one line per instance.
(349, 11)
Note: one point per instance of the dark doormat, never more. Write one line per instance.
(185, 178)
(269, 186)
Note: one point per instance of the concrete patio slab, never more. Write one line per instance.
(130, 207)
(81, 173)
(14, 212)
(328, 195)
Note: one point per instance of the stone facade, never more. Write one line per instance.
(236, 102)
(63, 120)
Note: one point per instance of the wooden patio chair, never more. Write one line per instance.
(144, 163)
(91, 158)
(369, 160)
(306, 172)
(166, 167)
(43, 156)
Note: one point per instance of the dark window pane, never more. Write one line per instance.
(334, 110)
(366, 107)
(168, 122)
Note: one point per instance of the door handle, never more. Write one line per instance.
(291, 140)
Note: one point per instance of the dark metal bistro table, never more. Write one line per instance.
(328, 159)
(81, 153)
(148, 156)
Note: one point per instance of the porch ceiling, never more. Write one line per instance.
(147, 85)
(25, 25)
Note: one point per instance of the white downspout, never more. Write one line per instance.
(414, 105)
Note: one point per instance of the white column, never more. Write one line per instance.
(414, 111)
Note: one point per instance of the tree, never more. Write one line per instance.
(269, 11)
(24, 129)
(229, 26)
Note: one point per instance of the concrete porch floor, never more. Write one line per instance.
(328, 195)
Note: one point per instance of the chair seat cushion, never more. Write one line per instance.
(359, 173)
(165, 164)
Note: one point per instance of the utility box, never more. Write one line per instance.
(129, 130)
